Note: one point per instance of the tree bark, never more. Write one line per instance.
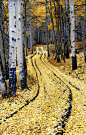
(19, 43)
(3, 87)
(30, 20)
(57, 31)
(55, 40)
(74, 61)
(6, 48)
(12, 48)
(3, 39)
(84, 33)
(67, 29)
(47, 31)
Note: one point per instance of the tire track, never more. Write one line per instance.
(27, 101)
(69, 82)
(77, 88)
(61, 126)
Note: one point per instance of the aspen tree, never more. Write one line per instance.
(25, 28)
(57, 31)
(74, 61)
(55, 40)
(2, 45)
(38, 35)
(47, 31)
(34, 31)
(67, 29)
(6, 41)
(19, 42)
(12, 48)
(3, 87)
(30, 18)
(62, 26)
(84, 33)
(6, 47)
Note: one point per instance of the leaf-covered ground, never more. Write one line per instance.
(50, 105)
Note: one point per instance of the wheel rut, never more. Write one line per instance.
(53, 101)
(28, 100)
(60, 127)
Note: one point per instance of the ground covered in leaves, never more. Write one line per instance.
(54, 103)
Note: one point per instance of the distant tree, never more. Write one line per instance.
(30, 21)
(47, 31)
(74, 61)
(57, 17)
(62, 31)
(67, 30)
(55, 40)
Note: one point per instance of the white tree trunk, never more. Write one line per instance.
(19, 42)
(72, 20)
(25, 29)
(12, 48)
(30, 20)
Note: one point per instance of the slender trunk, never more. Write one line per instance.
(42, 37)
(19, 43)
(84, 33)
(82, 30)
(57, 32)
(34, 32)
(64, 36)
(55, 40)
(29, 42)
(67, 24)
(74, 61)
(6, 48)
(12, 49)
(38, 36)
(24, 83)
(68, 21)
(3, 87)
(30, 18)
(3, 39)
(25, 29)
(47, 31)
(62, 26)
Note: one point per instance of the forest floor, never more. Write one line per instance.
(55, 101)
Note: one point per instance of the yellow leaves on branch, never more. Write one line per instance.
(50, 26)
(5, 2)
(27, 33)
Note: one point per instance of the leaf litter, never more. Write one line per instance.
(46, 111)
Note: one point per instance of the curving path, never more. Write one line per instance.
(54, 109)
(76, 91)
(57, 92)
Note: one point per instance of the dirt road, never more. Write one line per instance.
(58, 107)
